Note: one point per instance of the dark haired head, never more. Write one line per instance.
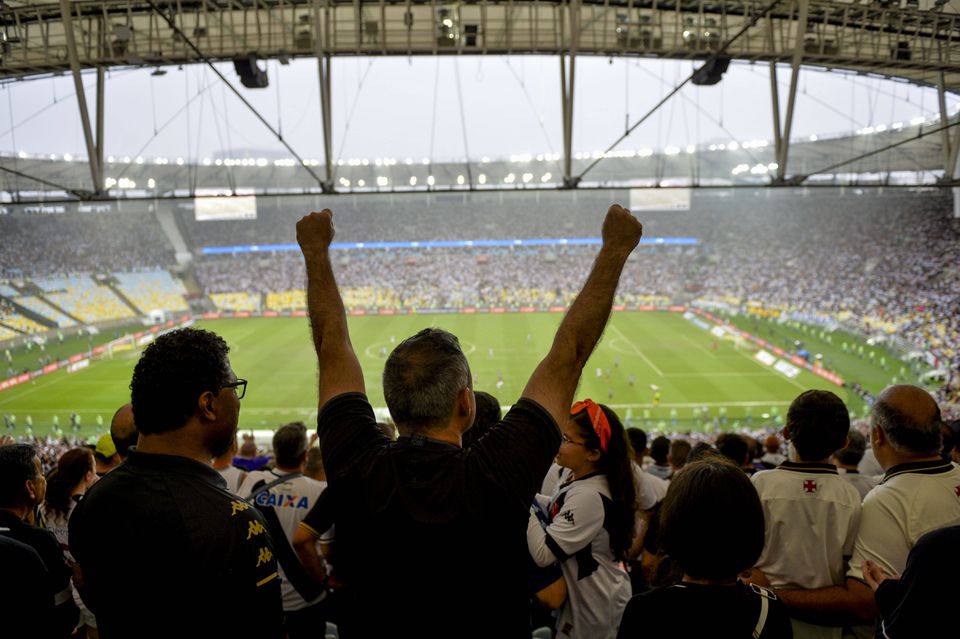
(701, 451)
(123, 431)
(615, 463)
(950, 433)
(638, 442)
(733, 447)
(71, 471)
(423, 377)
(854, 450)
(172, 374)
(17, 467)
(712, 495)
(289, 444)
(314, 465)
(488, 415)
(910, 418)
(817, 424)
(659, 449)
(679, 451)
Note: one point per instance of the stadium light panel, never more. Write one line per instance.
(881, 128)
(139, 159)
(361, 183)
(345, 182)
(733, 146)
(460, 180)
(413, 180)
(917, 120)
(527, 177)
(813, 137)
(896, 126)
(430, 180)
(691, 149)
(645, 153)
(425, 161)
(482, 178)
(382, 181)
(546, 177)
(671, 150)
(151, 183)
(510, 178)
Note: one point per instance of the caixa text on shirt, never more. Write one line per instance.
(282, 501)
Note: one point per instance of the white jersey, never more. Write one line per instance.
(869, 465)
(863, 483)
(232, 475)
(291, 500)
(650, 489)
(912, 499)
(597, 586)
(812, 516)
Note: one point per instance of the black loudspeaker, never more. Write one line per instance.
(251, 75)
(711, 72)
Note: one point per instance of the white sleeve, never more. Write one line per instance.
(572, 529)
(880, 539)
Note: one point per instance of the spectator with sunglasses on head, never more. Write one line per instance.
(588, 525)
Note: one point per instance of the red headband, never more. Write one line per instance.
(601, 426)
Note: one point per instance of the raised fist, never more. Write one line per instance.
(315, 231)
(620, 229)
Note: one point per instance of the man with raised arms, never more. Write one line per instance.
(431, 536)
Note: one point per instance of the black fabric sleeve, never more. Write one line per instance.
(517, 452)
(320, 518)
(347, 430)
(632, 624)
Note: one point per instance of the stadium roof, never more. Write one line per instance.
(918, 41)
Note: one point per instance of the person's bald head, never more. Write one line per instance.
(910, 419)
(123, 431)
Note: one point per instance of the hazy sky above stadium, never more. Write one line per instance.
(441, 107)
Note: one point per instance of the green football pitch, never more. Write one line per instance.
(703, 382)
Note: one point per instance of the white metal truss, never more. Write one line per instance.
(917, 41)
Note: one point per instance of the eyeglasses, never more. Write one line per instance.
(239, 387)
(570, 441)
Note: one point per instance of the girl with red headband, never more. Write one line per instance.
(588, 525)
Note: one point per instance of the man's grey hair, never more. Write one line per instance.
(422, 378)
(289, 444)
(906, 433)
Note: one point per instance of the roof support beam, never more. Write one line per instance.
(567, 76)
(324, 66)
(101, 91)
(803, 9)
(96, 171)
(950, 139)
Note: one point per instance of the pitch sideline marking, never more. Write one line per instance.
(637, 350)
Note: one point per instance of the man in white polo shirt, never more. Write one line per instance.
(919, 492)
(811, 513)
(291, 495)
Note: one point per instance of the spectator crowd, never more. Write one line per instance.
(458, 521)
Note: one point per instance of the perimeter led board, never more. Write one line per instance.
(659, 199)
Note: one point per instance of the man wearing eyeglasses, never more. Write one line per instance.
(164, 549)
(457, 560)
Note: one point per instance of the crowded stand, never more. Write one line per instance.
(152, 290)
(84, 299)
(50, 244)
(44, 310)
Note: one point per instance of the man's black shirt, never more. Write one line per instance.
(431, 538)
(166, 551)
(696, 610)
(55, 576)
